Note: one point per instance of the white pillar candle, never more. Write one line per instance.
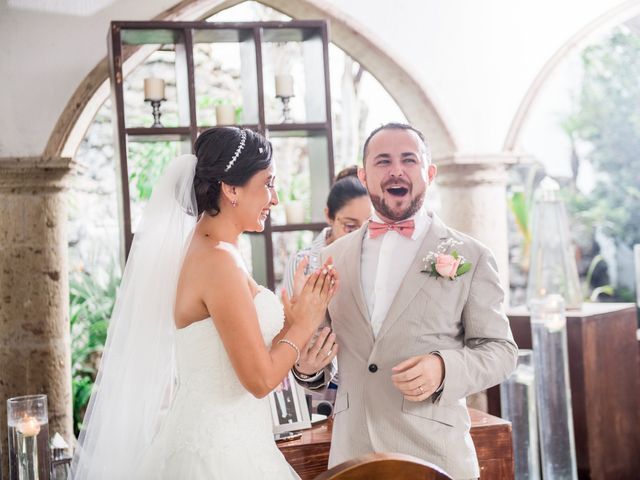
(225, 115)
(153, 89)
(284, 85)
(28, 426)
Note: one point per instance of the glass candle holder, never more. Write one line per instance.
(28, 426)
(553, 389)
(518, 401)
(552, 268)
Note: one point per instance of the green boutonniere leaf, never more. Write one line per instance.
(455, 255)
(463, 268)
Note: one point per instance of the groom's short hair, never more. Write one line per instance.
(398, 126)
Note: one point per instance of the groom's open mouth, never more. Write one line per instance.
(397, 191)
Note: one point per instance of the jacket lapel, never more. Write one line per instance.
(414, 278)
(352, 278)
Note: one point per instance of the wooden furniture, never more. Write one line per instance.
(603, 369)
(382, 466)
(491, 435)
(188, 107)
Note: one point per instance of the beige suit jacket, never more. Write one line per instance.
(462, 319)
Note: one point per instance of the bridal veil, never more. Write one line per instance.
(136, 374)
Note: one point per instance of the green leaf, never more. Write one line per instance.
(463, 268)
(519, 207)
(455, 255)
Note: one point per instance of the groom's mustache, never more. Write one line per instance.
(396, 184)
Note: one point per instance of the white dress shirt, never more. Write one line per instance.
(385, 261)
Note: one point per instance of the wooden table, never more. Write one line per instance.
(491, 435)
(605, 387)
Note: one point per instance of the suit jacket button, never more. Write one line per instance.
(373, 368)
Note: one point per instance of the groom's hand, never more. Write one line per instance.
(318, 353)
(419, 377)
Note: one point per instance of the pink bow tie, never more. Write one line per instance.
(404, 228)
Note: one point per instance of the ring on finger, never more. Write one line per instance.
(421, 390)
(329, 353)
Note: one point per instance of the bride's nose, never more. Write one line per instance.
(274, 197)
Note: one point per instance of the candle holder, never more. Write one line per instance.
(286, 111)
(552, 269)
(518, 401)
(155, 104)
(553, 390)
(28, 425)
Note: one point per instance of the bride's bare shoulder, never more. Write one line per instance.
(210, 274)
(209, 258)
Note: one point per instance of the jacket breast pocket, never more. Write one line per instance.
(342, 403)
(441, 413)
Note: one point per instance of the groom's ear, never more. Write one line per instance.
(362, 176)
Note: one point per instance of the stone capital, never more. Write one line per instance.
(18, 174)
(498, 158)
(471, 175)
(467, 170)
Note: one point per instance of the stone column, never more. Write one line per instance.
(34, 291)
(473, 200)
(473, 194)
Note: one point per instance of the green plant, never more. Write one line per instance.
(607, 120)
(238, 114)
(520, 202)
(520, 209)
(148, 161)
(91, 305)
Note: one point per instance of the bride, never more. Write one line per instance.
(195, 345)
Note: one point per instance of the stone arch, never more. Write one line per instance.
(346, 33)
(613, 17)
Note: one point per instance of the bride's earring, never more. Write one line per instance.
(234, 202)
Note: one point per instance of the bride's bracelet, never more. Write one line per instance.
(292, 345)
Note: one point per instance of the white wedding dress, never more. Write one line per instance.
(215, 428)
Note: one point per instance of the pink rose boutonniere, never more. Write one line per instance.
(447, 265)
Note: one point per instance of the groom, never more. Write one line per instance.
(419, 319)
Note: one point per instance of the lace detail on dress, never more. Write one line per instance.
(215, 428)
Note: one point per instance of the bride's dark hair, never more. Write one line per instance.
(215, 149)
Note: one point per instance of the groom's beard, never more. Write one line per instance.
(386, 211)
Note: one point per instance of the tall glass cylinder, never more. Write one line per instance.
(518, 401)
(28, 425)
(553, 268)
(551, 366)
